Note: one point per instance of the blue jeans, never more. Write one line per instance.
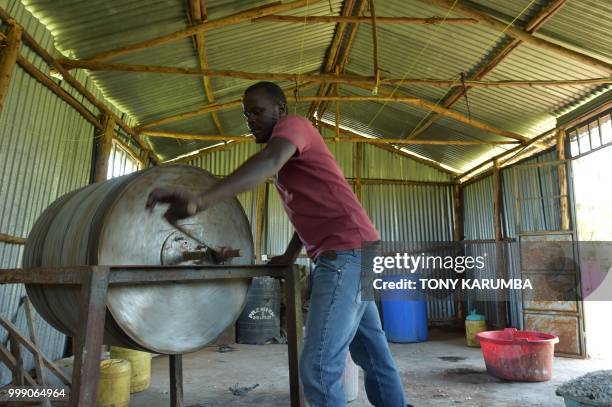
(338, 321)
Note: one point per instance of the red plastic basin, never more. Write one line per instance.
(518, 355)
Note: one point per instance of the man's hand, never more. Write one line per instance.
(183, 203)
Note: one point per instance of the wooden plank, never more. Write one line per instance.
(294, 333)
(18, 370)
(41, 375)
(9, 58)
(92, 314)
(176, 380)
(9, 360)
(12, 329)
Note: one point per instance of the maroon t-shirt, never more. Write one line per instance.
(319, 202)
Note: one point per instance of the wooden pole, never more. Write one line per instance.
(58, 90)
(502, 157)
(260, 219)
(363, 20)
(387, 97)
(197, 14)
(336, 138)
(256, 76)
(333, 55)
(356, 80)
(103, 150)
(232, 19)
(563, 189)
(201, 111)
(9, 58)
(358, 166)
(32, 44)
(374, 47)
(337, 115)
(458, 210)
(4, 238)
(497, 25)
(423, 104)
(491, 62)
(497, 201)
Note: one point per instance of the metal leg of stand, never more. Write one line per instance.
(94, 287)
(294, 334)
(176, 381)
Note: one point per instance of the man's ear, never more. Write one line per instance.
(282, 109)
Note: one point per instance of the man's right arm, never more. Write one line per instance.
(293, 249)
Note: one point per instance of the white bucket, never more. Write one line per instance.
(350, 379)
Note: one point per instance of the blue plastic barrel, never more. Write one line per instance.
(404, 313)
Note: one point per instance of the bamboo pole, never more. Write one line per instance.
(563, 189)
(197, 16)
(357, 139)
(333, 55)
(458, 210)
(497, 201)
(67, 77)
(9, 58)
(103, 150)
(398, 99)
(273, 18)
(12, 239)
(497, 25)
(466, 176)
(201, 111)
(58, 90)
(232, 19)
(330, 78)
(374, 47)
(256, 76)
(423, 104)
(497, 57)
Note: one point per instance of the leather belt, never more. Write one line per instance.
(328, 255)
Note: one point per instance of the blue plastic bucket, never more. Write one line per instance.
(404, 313)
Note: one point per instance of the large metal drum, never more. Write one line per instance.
(106, 224)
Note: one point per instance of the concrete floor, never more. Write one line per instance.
(439, 372)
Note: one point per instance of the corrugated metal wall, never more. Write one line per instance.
(536, 215)
(45, 152)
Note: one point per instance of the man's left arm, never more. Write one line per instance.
(253, 172)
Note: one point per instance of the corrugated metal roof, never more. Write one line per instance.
(412, 51)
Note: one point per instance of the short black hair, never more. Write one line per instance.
(271, 88)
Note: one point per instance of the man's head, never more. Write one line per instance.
(264, 103)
